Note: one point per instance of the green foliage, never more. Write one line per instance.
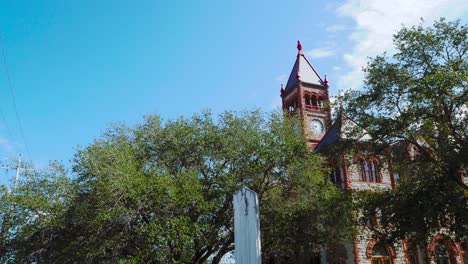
(304, 212)
(417, 100)
(161, 192)
(31, 210)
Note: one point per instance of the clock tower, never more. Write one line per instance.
(306, 94)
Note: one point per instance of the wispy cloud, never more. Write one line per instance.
(321, 53)
(377, 21)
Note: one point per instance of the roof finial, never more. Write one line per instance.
(325, 81)
(282, 89)
(299, 46)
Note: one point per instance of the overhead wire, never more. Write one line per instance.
(12, 94)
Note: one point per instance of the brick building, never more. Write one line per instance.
(306, 92)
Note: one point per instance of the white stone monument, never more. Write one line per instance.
(247, 245)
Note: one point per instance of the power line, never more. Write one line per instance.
(12, 94)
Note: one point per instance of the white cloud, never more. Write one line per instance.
(377, 21)
(321, 53)
(336, 68)
(332, 102)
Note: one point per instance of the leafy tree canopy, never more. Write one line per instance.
(417, 101)
(161, 192)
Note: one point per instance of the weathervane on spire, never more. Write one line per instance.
(299, 46)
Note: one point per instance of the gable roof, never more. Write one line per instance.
(338, 131)
(303, 71)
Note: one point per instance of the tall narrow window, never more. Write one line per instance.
(362, 169)
(375, 171)
(314, 100)
(369, 176)
(335, 176)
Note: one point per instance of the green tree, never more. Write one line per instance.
(305, 212)
(30, 211)
(417, 100)
(161, 192)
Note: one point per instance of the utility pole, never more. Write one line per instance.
(17, 169)
(18, 166)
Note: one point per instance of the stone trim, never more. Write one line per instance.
(453, 251)
(373, 242)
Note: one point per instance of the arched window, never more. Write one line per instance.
(292, 106)
(314, 100)
(369, 170)
(380, 255)
(443, 250)
(441, 254)
(320, 102)
(307, 100)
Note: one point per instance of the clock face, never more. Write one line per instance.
(316, 126)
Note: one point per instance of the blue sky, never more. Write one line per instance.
(78, 66)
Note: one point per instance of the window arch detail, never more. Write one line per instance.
(369, 169)
(313, 101)
(442, 249)
(375, 246)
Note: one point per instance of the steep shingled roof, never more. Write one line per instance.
(303, 71)
(339, 130)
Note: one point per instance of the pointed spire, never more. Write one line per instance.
(282, 90)
(325, 81)
(302, 71)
